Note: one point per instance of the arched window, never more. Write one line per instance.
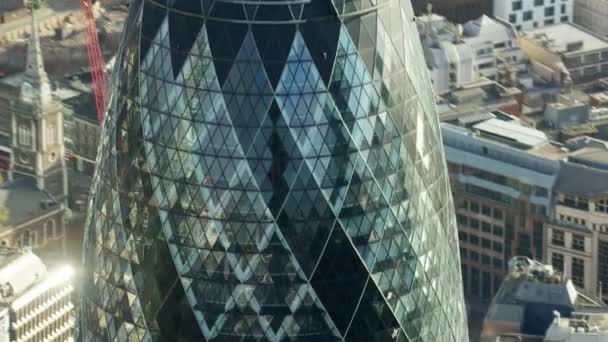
(51, 134)
(26, 238)
(24, 135)
(50, 229)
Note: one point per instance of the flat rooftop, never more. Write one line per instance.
(567, 38)
(513, 132)
(531, 293)
(549, 151)
(501, 130)
(584, 326)
(483, 95)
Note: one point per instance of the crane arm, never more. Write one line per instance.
(96, 63)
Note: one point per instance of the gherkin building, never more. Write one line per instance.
(271, 170)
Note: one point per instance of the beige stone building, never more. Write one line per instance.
(566, 53)
(577, 238)
(35, 195)
(592, 14)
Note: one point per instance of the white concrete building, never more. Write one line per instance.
(577, 237)
(592, 14)
(528, 14)
(451, 65)
(35, 304)
(495, 45)
(459, 56)
(451, 61)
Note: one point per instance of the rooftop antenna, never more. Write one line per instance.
(429, 13)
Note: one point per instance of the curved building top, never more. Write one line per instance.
(271, 171)
(266, 11)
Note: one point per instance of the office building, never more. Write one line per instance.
(592, 15)
(35, 303)
(529, 14)
(480, 52)
(577, 237)
(528, 300)
(459, 11)
(82, 130)
(566, 53)
(496, 48)
(566, 112)
(502, 173)
(269, 171)
(520, 193)
(451, 62)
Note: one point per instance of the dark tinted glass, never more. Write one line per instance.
(271, 171)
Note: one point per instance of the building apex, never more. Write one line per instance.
(36, 86)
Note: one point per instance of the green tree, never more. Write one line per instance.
(33, 5)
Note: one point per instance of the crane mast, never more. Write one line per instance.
(96, 63)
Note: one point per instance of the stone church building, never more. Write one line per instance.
(33, 200)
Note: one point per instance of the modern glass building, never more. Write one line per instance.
(271, 171)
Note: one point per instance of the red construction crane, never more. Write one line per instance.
(96, 63)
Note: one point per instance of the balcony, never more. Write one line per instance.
(568, 226)
(578, 205)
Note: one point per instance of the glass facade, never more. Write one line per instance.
(271, 171)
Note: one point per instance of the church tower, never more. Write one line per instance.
(37, 126)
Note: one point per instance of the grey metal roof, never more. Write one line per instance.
(83, 106)
(475, 118)
(529, 296)
(581, 180)
(516, 133)
(505, 312)
(592, 156)
(24, 201)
